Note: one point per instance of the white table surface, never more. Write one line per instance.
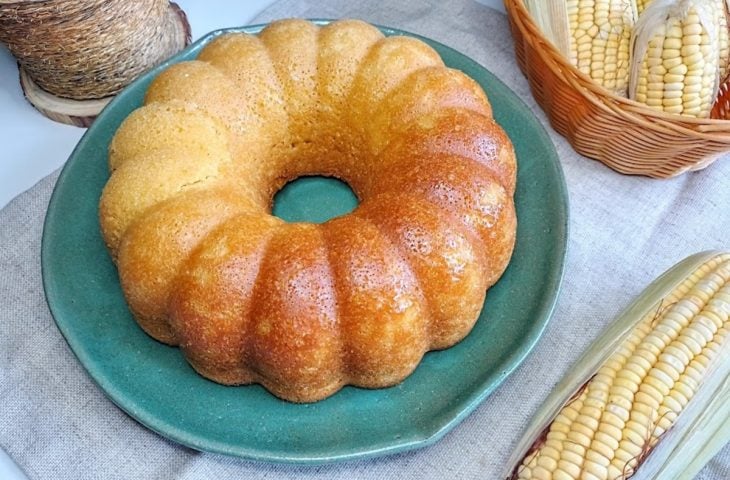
(34, 146)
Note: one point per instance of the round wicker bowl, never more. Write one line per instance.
(75, 55)
(625, 135)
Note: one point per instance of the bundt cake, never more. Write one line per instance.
(304, 308)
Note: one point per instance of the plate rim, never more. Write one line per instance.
(424, 436)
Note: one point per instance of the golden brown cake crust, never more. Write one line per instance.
(302, 308)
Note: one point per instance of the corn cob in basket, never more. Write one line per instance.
(671, 55)
(678, 57)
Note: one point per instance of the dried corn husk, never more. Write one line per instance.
(723, 9)
(551, 17)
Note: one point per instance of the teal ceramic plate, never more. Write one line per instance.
(154, 384)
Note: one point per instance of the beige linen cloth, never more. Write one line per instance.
(624, 231)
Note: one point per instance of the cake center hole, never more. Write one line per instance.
(314, 199)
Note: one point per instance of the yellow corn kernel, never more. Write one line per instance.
(641, 5)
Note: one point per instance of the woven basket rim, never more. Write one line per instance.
(704, 128)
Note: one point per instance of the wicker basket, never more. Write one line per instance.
(625, 135)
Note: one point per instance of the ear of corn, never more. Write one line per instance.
(679, 52)
(722, 13)
(653, 392)
(593, 34)
(601, 34)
